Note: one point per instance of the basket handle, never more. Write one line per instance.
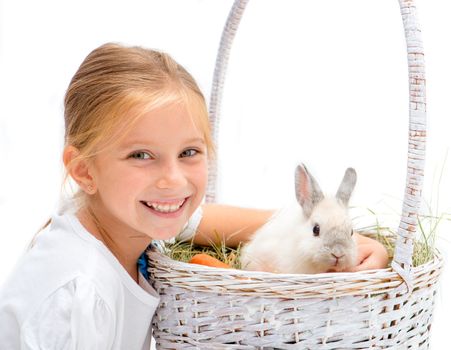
(402, 261)
(222, 59)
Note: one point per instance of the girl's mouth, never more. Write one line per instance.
(166, 209)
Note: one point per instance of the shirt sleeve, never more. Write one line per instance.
(75, 317)
(191, 227)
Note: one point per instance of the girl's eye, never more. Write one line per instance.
(188, 153)
(140, 155)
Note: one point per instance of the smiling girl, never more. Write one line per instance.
(137, 142)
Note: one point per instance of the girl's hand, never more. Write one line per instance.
(370, 255)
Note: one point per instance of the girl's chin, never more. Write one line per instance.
(164, 233)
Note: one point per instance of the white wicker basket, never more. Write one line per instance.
(210, 308)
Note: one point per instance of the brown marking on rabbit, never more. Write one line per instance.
(313, 236)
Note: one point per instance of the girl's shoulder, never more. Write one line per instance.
(62, 255)
(50, 318)
(65, 271)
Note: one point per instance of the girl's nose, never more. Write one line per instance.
(171, 176)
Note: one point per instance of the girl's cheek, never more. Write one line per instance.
(199, 176)
(199, 168)
(203, 173)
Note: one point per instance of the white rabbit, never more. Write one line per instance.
(313, 237)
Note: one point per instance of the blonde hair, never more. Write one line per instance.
(114, 79)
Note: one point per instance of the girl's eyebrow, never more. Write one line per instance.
(142, 142)
(196, 139)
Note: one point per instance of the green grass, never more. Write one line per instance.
(184, 251)
(426, 236)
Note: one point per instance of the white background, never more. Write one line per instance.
(323, 82)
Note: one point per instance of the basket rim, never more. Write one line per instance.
(156, 255)
(171, 273)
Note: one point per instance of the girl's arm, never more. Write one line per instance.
(229, 224)
(233, 225)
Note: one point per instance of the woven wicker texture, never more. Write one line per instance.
(208, 308)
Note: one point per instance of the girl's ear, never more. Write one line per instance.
(79, 169)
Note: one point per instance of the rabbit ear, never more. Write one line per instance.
(347, 186)
(308, 192)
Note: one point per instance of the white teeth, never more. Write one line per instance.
(165, 208)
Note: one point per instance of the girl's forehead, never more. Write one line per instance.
(160, 123)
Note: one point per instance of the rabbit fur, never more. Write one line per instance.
(314, 235)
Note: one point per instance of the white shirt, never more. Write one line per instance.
(70, 292)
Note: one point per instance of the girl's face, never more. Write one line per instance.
(154, 178)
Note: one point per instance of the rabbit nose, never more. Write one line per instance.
(337, 257)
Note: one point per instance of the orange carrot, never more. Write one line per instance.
(205, 259)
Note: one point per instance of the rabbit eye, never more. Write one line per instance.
(316, 230)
